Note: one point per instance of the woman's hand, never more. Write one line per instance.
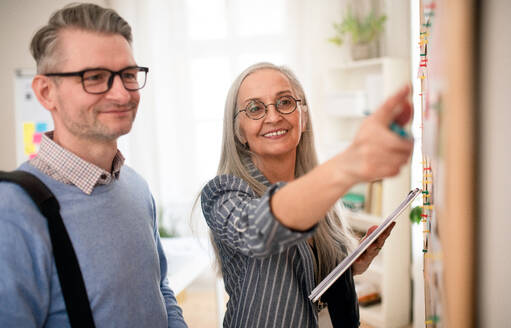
(363, 262)
(376, 151)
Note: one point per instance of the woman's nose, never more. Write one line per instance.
(272, 113)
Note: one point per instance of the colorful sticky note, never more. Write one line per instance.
(37, 138)
(28, 132)
(29, 149)
(431, 5)
(41, 127)
(28, 138)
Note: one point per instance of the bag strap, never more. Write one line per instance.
(68, 269)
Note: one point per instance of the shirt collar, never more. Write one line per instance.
(73, 169)
(254, 171)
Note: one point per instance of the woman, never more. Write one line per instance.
(271, 208)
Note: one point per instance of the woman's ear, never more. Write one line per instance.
(44, 89)
(241, 137)
(305, 118)
(240, 134)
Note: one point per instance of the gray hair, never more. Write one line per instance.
(332, 239)
(85, 16)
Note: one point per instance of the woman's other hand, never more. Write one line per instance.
(363, 262)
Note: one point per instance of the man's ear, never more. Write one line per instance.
(45, 91)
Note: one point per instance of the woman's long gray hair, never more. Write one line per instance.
(332, 238)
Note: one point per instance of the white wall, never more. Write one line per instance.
(494, 221)
(19, 20)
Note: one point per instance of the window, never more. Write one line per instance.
(197, 51)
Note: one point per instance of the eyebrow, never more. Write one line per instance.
(280, 93)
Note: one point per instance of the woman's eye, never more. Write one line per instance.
(254, 107)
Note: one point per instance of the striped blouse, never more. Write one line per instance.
(267, 267)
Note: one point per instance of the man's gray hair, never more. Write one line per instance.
(85, 16)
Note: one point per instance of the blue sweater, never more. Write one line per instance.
(115, 238)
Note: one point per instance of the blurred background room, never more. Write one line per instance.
(443, 266)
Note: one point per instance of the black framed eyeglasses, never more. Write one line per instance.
(256, 109)
(100, 80)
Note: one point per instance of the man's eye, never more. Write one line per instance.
(96, 76)
(130, 75)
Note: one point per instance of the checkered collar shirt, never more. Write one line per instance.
(64, 166)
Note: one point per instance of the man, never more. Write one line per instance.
(89, 81)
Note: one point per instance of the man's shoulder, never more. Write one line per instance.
(132, 180)
(16, 207)
(131, 176)
(11, 192)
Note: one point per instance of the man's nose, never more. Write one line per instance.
(118, 91)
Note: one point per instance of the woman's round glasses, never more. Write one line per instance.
(256, 109)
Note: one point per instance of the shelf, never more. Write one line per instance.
(344, 87)
(372, 315)
(361, 221)
(187, 258)
(375, 268)
(357, 64)
(332, 149)
(374, 273)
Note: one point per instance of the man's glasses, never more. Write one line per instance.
(100, 80)
(256, 109)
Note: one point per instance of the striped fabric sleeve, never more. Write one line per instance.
(243, 221)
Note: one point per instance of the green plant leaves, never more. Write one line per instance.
(415, 214)
(360, 30)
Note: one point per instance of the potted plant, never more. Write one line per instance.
(363, 33)
(162, 228)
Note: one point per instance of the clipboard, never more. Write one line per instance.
(322, 287)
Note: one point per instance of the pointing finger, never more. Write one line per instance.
(393, 107)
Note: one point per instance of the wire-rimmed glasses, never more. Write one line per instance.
(256, 109)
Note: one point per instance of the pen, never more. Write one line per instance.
(399, 130)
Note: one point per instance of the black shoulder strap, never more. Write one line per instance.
(68, 269)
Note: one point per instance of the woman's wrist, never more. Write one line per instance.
(343, 171)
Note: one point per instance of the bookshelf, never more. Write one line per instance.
(352, 91)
